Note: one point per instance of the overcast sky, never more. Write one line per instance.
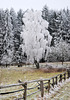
(35, 4)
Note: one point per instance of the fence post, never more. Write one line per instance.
(56, 80)
(53, 82)
(64, 76)
(25, 91)
(60, 78)
(42, 88)
(48, 86)
(68, 71)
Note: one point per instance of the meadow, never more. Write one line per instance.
(12, 74)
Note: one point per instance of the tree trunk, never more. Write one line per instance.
(19, 65)
(37, 64)
(6, 65)
(62, 62)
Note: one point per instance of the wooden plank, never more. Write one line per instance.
(33, 93)
(4, 93)
(11, 85)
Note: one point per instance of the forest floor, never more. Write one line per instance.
(12, 74)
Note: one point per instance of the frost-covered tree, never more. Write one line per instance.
(20, 20)
(61, 52)
(8, 40)
(20, 29)
(36, 37)
(54, 22)
(45, 13)
(59, 24)
(65, 25)
(2, 33)
(16, 20)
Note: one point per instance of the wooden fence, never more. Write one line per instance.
(42, 84)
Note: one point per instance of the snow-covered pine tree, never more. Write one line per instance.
(2, 33)
(59, 24)
(65, 25)
(8, 40)
(20, 29)
(55, 27)
(36, 37)
(17, 29)
(53, 18)
(45, 13)
(20, 20)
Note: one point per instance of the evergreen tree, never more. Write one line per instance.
(16, 20)
(2, 33)
(45, 13)
(20, 26)
(8, 40)
(52, 17)
(65, 25)
(59, 24)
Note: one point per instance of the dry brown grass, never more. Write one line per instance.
(52, 70)
(12, 75)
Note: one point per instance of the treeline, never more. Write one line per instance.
(11, 27)
(59, 28)
(59, 24)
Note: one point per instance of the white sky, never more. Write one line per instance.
(35, 4)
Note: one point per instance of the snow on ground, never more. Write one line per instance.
(55, 92)
(56, 64)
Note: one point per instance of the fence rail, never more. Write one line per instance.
(41, 84)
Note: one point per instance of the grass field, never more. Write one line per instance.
(11, 75)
